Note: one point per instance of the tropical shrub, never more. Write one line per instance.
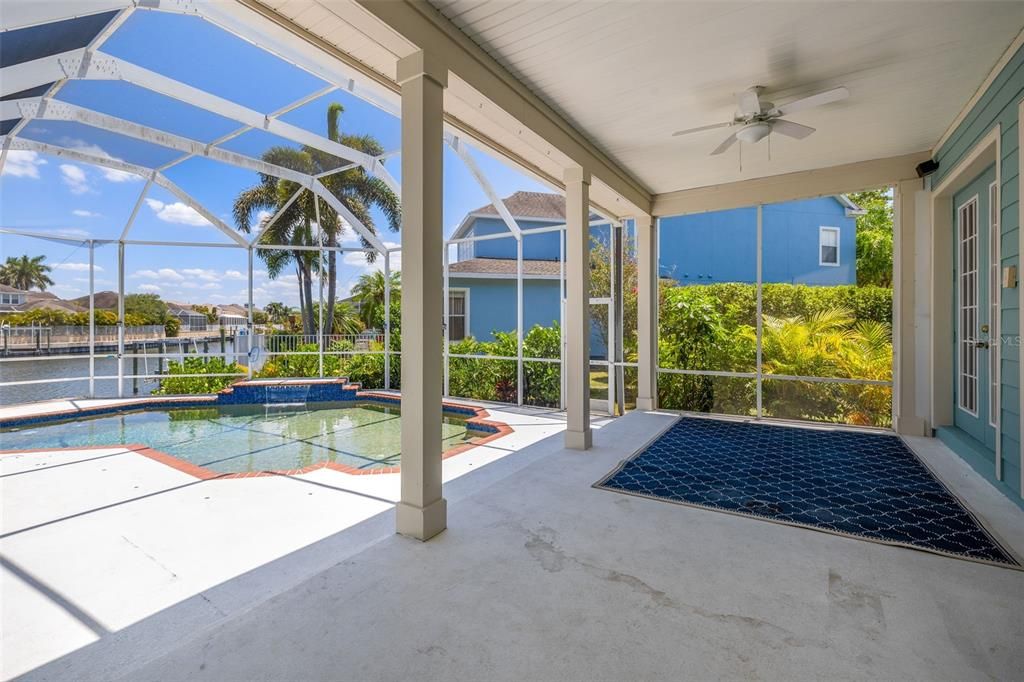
(182, 385)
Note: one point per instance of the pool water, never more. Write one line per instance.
(244, 438)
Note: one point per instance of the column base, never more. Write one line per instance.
(579, 440)
(421, 523)
(913, 426)
(645, 404)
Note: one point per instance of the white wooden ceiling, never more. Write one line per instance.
(628, 74)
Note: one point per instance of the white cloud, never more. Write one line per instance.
(74, 177)
(258, 220)
(76, 267)
(204, 275)
(23, 164)
(110, 174)
(176, 213)
(166, 274)
(151, 288)
(82, 213)
(234, 274)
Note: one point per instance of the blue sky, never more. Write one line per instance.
(56, 196)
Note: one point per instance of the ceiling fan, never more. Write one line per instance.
(757, 119)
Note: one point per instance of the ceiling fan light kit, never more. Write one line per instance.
(754, 132)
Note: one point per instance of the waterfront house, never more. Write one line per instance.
(189, 319)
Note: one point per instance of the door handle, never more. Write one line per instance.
(981, 344)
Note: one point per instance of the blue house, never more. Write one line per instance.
(806, 242)
(813, 241)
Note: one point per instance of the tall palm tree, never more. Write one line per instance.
(354, 187)
(26, 273)
(277, 312)
(369, 292)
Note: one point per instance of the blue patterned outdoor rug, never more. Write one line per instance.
(864, 485)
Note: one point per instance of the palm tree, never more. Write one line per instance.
(277, 312)
(369, 292)
(25, 273)
(355, 188)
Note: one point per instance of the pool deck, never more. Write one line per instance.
(93, 540)
(145, 575)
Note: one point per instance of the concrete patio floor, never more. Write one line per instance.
(540, 576)
(93, 542)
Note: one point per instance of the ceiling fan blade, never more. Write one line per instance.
(728, 142)
(817, 100)
(701, 129)
(790, 129)
(748, 102)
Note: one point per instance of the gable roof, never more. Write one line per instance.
(542, 205)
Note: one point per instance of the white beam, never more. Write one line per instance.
(105, 67)
(63, 111)
(459, 148)
(200, 209)
(135, 210)
(274, 218)
(341, 209)
(244, 129)
(84, 157)
(35, 73)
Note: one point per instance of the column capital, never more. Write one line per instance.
(576, 174)
(422, 63)
(643, 220)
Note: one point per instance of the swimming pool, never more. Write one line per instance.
(354, 436)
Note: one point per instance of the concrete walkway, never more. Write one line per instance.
(542, 577)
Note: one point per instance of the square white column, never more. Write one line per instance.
(647, 313)
(577, 308)
(422, 512)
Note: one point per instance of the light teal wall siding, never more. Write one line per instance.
(998, 106)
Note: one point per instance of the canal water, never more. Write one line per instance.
(29, 369)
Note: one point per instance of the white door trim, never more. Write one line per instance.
(986, 152)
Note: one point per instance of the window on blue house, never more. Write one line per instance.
(456, 315)
(828, 246)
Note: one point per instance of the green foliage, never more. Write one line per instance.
(600, 277)
(369, 292)
(146, 307)
(874, 237)
(483, 378)
(806, 332)
(305, 362)
(43, 317)
(209, 311)
(172, 326)
(181, 385)
(26, 273)
(277, 312)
